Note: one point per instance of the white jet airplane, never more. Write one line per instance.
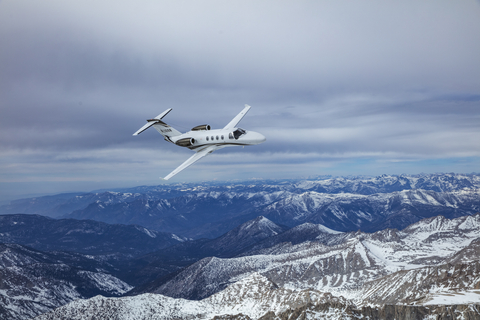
(202, 139)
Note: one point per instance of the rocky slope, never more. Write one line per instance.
(34, 282)
(254, 297)
(427, 285)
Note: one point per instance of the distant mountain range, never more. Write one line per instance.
(337, 248)
(344, 204)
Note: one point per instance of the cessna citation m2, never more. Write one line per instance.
(202, 139)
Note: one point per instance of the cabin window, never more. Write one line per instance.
(217, 137)
(212, 138)
(222, 137)
(207, 138)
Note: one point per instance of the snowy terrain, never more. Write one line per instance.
(408, 267)
(333, 248)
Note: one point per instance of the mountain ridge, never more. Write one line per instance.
(210, 210)
(360, 258)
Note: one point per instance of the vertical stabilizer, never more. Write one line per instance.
(165, 130)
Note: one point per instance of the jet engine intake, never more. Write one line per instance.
(201, 127)
(186, 142)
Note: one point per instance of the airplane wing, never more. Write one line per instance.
(197, 156)
(151, 122)
(237, 119)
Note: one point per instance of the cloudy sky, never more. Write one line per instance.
(337, 87)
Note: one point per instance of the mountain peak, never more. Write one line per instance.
(246, 234)
(263, 224)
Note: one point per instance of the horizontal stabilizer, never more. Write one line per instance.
(153, 121)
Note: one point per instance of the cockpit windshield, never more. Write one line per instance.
(237, 133)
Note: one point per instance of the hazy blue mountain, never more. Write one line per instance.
(83, 236)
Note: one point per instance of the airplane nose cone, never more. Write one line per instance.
(257, 137)
(262, 138)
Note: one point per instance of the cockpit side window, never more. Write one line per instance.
(237, 133)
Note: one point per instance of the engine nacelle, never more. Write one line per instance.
(186, 142)
(201, 127)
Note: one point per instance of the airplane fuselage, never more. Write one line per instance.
(231, 137)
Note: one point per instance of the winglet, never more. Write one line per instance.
(232, 124)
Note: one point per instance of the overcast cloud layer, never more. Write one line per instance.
(337, 87)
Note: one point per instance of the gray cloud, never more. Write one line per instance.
(332, 85)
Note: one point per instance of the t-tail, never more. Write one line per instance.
(164, 129)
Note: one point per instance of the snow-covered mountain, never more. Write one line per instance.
(341, 269)
(442, 182)
(348, 212)
(251, 297)
(254, 297)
